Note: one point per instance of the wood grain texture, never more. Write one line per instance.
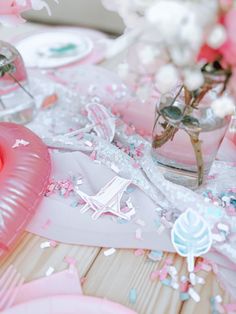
(114, 276)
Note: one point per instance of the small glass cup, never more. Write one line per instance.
(16, 102)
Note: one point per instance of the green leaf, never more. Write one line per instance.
(172, 112)
(190, 122)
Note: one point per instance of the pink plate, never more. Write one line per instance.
(69, 305)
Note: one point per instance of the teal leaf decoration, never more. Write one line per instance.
(191, 236)
(172, 112)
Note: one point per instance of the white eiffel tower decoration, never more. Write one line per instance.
(108, 199)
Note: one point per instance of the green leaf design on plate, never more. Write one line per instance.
(172, 112)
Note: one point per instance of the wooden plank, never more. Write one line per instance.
(114, 276)
(32, 261)
(210, 289)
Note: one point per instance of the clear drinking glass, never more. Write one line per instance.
(16, 102)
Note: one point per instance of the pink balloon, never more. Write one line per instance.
(24, 174)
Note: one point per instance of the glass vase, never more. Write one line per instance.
(16, 102)
(186, 153)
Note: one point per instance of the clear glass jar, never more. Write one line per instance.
(16, 102)
(176, 158)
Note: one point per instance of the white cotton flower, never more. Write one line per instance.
(217, 37)
(192, 34)
(193, 79)
(168, 17)
(146, 55)
(123, 70)
(181, 57)
(223, 106)
(167, 78)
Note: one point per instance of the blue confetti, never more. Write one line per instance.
(184, 296)
(132, 296)
(155, 255)
(214, 212)
(74, 204)
(166, 282)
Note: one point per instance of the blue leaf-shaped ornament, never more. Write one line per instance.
(191, 236)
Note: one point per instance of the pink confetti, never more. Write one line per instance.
(136, 165)
(80, 136)
(130, 130)
(125, 209)
(70, 260)
(139, 252)
(169, 261)
(81, 202)
(53, 243)
(93, 155)
(163, 273)
(83, 112)
(154, 275)
(202, 266)
(83, 280)
(230, 307)
(47, 224)
(184, 286)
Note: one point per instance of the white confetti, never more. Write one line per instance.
(45, 245)
(139, 222)
(175, 285)
(138, 234)
(218, 237)
(50, 271)
(218, 299)
(115, 168)
(20, 142)
(79, 181)
(129, 204)
(88, 143)
(109, 252)
(183, 278)
(194, 295)
(192, 278)
(172, 271)
(200, 280)
(223, 227)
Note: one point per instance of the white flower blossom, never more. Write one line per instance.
(223, 106)
(147, 55)
(167, 78)
(193, 79)
(217, 36)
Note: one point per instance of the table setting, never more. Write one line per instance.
(131, 168)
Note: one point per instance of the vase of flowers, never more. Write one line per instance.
(189, 53)
(187, 135)
(16, 101)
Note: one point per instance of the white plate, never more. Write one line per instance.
(54, 49)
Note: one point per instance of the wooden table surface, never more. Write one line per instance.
(113, 276)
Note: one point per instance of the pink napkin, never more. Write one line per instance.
(63, 283)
